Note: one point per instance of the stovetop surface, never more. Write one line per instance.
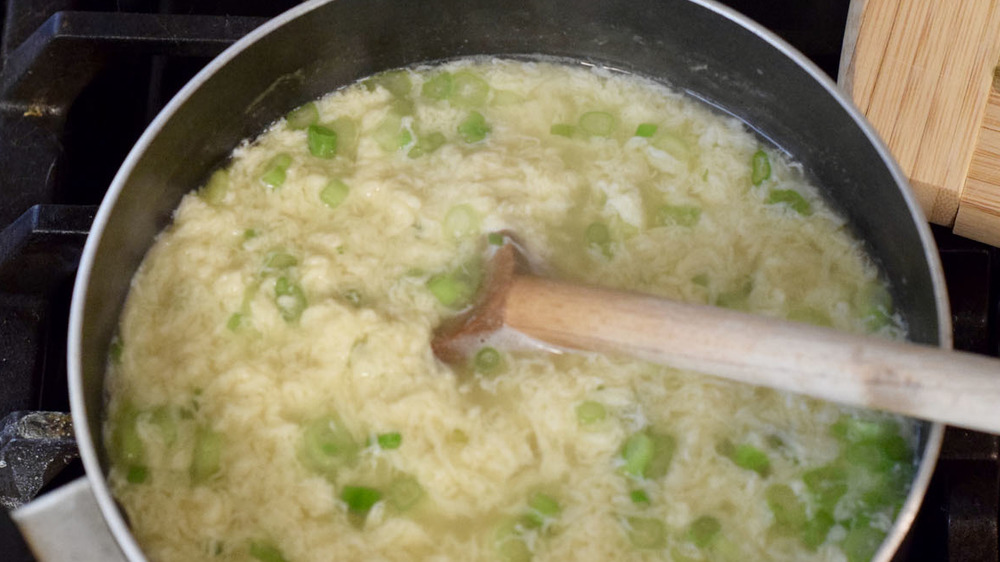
(80, 80)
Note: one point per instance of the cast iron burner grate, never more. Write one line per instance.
(80, 80)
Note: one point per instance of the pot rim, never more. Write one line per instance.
(86, 441)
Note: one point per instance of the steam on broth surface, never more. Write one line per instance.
(273, 395)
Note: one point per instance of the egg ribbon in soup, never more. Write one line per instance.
(273, 395)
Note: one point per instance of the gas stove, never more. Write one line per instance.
(81, 79)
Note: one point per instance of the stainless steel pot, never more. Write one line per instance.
(693, 45)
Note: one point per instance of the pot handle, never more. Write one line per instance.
(66, 525)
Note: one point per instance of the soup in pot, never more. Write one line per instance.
(274, 396)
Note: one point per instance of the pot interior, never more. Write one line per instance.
(697, 47)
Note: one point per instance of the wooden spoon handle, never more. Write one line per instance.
(921, 381)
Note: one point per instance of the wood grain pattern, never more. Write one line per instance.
(925, 382)
(921, 70)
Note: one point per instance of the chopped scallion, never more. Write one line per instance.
(792, 198)
(439, 87)
(751, 458)
(137, 474)
(704, 530)
(760, 167)
(302, 116)
(426, 144)
(461, 221)
(468, 90)
(590, 412)
(215, 189)
(646, 130)
(861, 543)
(404, 493)
(334, 193)
(360, 499)
(639, 496)
(638, 453)
(597, 123)
(390, 440)
(206, 460)
(495, 239)
(680, 215)
(785, 505)
(390, 133)
(280, 260)
(277, 171)
(474, 128)
(322, 141)
(289, 298)
(543, 508)
(488, 361)
(327, 445)
(562, 129)
(449, 290)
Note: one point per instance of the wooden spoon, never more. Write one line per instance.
(926, 382)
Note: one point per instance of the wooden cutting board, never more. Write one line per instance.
(924, 73)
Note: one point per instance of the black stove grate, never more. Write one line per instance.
(80, 80)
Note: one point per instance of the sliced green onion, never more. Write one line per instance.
(402, 106)
(397, 82)
(791, 198)
(206, 458)
(638, 453)
(215, 189)
(751, 458)
(290, 299)
(738, 298)
(347, 136)
(302, 116)
(360, 499)
(597, 234)
(322, 141)
(426, 144)
(663, 453)
(449, 291)
(488, 361)
(137, 474)
(162, 418)
(563, 129)
(494, 239)
(597, 123)
(327, 446)
(639, 496)
(760, 167)
(704, 530)
(390, 440)
(701, 280)
(590, 412)
(126, 444)
(543, 508)
(785, 505)
(473, 128)
(468, 90)
(646, 130)
(404, 493)
(266, 552)
(680, 215)
(861, 543)
(647, 532)
(334, 193)
(390, 134)
(235, 321)
(816, 530)
(672, 145)
(277, 171)
(439, 87)
(250, 233)
(280, 260)
(461, 221)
